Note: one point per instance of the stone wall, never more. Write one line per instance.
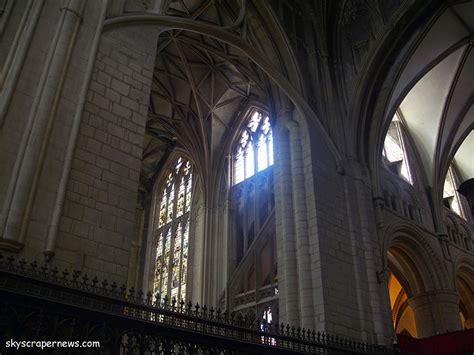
(98, 220)
(39, 115)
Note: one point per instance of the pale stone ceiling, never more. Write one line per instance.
(439, 80)
(465, 154)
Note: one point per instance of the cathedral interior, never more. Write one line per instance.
(300, 162)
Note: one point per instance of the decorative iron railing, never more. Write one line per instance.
(38, 302)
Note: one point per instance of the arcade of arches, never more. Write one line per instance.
(306, 162)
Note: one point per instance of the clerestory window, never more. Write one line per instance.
(255, 148)
(394, 150)
(252, 226)
(451, 198)
(172, 233)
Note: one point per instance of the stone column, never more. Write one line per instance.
(28, 166)
(436, 312)
(301, 227)
(289, 305)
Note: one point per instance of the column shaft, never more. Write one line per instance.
(301, 228)
(289, 266)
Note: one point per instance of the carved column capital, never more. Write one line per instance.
(292, 126)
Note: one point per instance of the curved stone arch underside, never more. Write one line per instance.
(406, 249)
(431, 88)
(464, 276)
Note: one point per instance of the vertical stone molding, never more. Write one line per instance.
(301, 226)
(288, 267)
(436, 312)
(74, 133)
(27, 169)
(11, 67)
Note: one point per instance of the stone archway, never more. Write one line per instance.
(465, 287)
(424, 296)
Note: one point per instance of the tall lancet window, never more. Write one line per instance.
(394, 150)
(172, 234)
(255, 149)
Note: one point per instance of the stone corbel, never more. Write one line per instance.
(379, 204)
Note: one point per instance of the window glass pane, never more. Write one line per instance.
(180, 206)
(189, 184)
(239, 167)
(262, 159)
(162, 218)
(249, 161)
(394, 151)
(184, 260)
(165, 263)
(254, 121)
(173, 231)
(449, 190)
(158, 264)
(176, 262)
(450, 194)
(270, 149)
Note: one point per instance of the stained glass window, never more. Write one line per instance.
(394, 152)
(173, 232)
(451, 197)
(255, 148)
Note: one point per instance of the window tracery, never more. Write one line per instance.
(255, 148)
(172, 232)
(394, 150)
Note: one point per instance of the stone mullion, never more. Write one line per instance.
(301, 227)
(288, 267)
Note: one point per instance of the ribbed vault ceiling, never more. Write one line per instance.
(438, 108)
(199, 87)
